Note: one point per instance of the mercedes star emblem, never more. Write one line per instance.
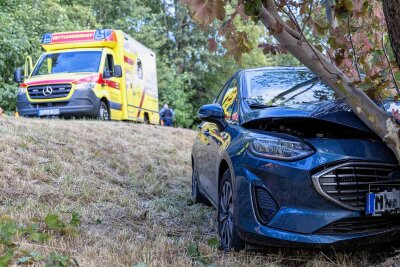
(47, 91)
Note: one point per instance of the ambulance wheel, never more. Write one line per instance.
(146, 119)
(104, 113)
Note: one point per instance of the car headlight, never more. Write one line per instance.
(278, 148)
(85, 86)
(22, 90)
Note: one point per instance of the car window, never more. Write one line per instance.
(68, 62)
(109, 64)
(139, 69)
(229, 100)
(284, 87)
(222, 92)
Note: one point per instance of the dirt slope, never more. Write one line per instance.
(131, 185)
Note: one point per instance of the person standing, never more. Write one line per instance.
(167, 116)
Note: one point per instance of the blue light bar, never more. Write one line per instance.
(102, 34)
(46, 39)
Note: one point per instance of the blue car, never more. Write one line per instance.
(288, 164)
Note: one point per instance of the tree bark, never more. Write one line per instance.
(391, 8)
(370, 113)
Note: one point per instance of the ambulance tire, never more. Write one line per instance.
(146, 119)
(104, 113)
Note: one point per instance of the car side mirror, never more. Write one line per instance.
(213, 113)
(107, 74)
(117, 71)
(17, 75)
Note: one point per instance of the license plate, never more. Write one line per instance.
(49, 112)
(383, 202)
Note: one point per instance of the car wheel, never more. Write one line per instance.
(196, 195)
(227, 232)
(103, 113)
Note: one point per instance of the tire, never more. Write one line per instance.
(196, 194)
(103, 114)
(230, 240)
(146, 119)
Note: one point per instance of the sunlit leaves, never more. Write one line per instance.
(274, 49)
(206, 11)
(237, 44)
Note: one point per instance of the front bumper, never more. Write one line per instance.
(301, 212)
(83, 103)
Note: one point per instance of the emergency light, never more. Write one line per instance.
(46, 39)
(102, 34)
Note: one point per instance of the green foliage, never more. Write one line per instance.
(57, 260)
(39, 232)
(195, 254)
(31, 257)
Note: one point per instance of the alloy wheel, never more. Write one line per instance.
(225, 215)
(103, 113)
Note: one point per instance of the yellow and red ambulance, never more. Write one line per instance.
(102, 74)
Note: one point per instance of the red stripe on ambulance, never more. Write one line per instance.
(128, 60)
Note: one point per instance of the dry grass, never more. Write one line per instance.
(131, 185)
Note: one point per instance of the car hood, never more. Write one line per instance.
(61, 78)
(335, 111)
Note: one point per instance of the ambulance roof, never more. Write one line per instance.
(79, 39)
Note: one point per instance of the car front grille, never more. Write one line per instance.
(49, 91)
(347, 184)
(360, 225)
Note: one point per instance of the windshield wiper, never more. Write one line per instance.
(261, 106)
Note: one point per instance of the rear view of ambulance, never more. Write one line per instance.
(102, 74)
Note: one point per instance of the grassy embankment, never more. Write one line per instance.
(130, 183)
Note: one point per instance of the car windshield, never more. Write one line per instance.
(66, 62)
(284, 87)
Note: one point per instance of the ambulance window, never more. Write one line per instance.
(139, 69)
(109, 65)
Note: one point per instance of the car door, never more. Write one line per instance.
(220, 140)
(202, 150)
(111, 83)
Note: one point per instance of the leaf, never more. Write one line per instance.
(53, 222)
(23, 259)
(193, 250)
(8, 228)
(252, 7)
(76, 219)
(343, 8)
(5, 260)
(58, 260)
(213, 242)
(33, 233)
(237, 45)
(212, 45)
(397, 75)
(206, 11)
(273, 48)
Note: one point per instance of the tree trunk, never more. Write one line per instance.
(372, 115)
(391, 8)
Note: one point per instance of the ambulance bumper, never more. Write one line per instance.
(83, 103)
